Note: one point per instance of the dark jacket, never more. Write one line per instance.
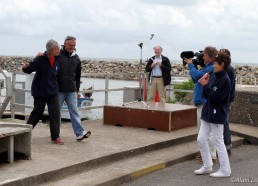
(165, 68)
(69, 73)
(231, 75)
(44, 83)
(196, 74)
(217, 93)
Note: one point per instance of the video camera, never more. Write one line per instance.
(198, 60)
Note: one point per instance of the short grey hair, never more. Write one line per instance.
(52, 44)
(158, 46)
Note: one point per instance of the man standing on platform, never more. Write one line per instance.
(159, 69)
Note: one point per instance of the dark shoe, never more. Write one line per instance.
(58, 141)
(215, 161)
(229, 152)
(198, 158)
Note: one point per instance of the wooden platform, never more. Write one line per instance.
(160, 116)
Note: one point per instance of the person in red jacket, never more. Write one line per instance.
(44, 89)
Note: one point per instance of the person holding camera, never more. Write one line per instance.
(159, 69)
(216, 90)
(44, 89)
(199, 100)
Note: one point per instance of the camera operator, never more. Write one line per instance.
(199, 100)
(159, 68)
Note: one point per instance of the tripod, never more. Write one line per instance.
(139, 99)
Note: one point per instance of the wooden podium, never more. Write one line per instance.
(160, 116)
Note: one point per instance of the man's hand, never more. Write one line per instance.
(153, 64)
(40, 54)
(188, 61)
(158, 63)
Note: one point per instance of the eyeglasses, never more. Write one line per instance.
(69, 38)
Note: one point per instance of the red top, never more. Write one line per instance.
(52, 61)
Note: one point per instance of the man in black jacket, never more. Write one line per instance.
(68, 78)
(159, 69)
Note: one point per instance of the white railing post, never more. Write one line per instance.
(106, 91)
(8, 92)
(12, 106)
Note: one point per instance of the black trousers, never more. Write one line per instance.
(53, 112)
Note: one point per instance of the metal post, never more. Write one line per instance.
(106, 91)
(10, 149)
(13, 96)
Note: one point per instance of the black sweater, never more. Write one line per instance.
(44, 83)
(217, 93)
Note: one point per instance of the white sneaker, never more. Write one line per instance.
(85, 134)
(220, 174)
(203, 170)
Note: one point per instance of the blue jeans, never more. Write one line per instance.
(227, 133)
(227, 136)
(71, 101)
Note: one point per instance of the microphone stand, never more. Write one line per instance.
(142, 77)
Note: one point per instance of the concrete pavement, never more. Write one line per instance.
(107, 143)
(244, 165)
(95, 158)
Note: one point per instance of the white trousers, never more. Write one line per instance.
(211, 138)
(217, 130)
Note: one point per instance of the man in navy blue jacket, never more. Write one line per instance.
(44, 89)
(231, 75)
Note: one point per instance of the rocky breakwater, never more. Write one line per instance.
(114, 69)
(13, 64)
(245, 74)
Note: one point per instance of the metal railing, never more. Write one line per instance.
(11, 88)
(8, 92)
(106, 90)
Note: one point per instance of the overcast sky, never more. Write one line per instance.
(114, 28)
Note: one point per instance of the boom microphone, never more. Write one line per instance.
(152, 35)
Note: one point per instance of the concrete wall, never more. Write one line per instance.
(244, 110)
